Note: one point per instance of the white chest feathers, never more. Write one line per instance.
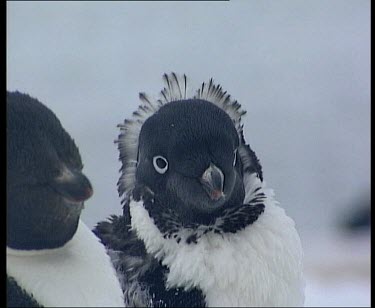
(260, 265)
(79, 274)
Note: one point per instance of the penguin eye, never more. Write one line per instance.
(160, 164)
(235, 157)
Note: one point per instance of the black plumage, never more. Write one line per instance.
(45, 184)
(18, 297)
(184, 159)
(141, 275)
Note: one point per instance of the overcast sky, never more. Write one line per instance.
(300, 68)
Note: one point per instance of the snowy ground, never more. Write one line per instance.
(338, 271)
(348, 293)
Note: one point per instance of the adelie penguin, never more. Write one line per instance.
(53, 259)
(199, 226)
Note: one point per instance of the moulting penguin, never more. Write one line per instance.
(199, 226)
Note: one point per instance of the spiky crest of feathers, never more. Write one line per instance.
(176, 88)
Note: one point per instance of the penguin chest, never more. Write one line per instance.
(77, 274)
(260, 265)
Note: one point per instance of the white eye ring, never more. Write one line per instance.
(160, 164)
(235, 157)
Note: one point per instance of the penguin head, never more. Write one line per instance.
(45, 184)
(185, 158)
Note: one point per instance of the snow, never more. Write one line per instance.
(348, 293)
(337, 269)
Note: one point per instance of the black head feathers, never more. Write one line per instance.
(45, 185)
(209, 96)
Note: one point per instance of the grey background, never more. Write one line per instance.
(300, 68)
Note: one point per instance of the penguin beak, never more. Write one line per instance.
(212, 181)
(73, 186)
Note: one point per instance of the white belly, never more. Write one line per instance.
(79, 274)
(260, 265)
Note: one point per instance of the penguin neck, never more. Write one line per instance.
(42, 229)
(78, 274)
(259, 265)
(230, 219)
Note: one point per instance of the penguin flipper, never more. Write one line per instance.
(17, 297)
(142, 277)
